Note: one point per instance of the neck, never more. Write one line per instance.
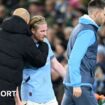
(94, 18)
(35, 40)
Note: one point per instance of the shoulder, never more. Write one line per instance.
(86, 34)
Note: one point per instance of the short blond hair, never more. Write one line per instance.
(37, 20)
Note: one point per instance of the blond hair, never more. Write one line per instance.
(37, 20)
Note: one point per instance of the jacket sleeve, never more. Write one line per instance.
(84, 40)
(35, 56)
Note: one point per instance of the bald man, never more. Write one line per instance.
(23, 13)
(16, 49)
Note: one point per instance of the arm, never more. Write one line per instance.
(54, 75)
(83, 41)
(35, 56)
(56, 66)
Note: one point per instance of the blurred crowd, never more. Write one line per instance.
(62, 16)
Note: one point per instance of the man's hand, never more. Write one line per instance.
(17, 98)
(77, 91)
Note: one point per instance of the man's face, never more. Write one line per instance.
(101, 17)
(41, 32)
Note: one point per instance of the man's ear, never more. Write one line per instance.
(96, 13)
(33, 31)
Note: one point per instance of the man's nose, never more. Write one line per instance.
(45, 34)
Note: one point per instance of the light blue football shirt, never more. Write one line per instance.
(36, 85)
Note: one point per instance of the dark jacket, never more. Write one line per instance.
(16, 48)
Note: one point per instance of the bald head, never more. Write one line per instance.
(23, 13)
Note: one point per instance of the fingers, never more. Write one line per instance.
(17, 98)
(17, 95)
(77, 91)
